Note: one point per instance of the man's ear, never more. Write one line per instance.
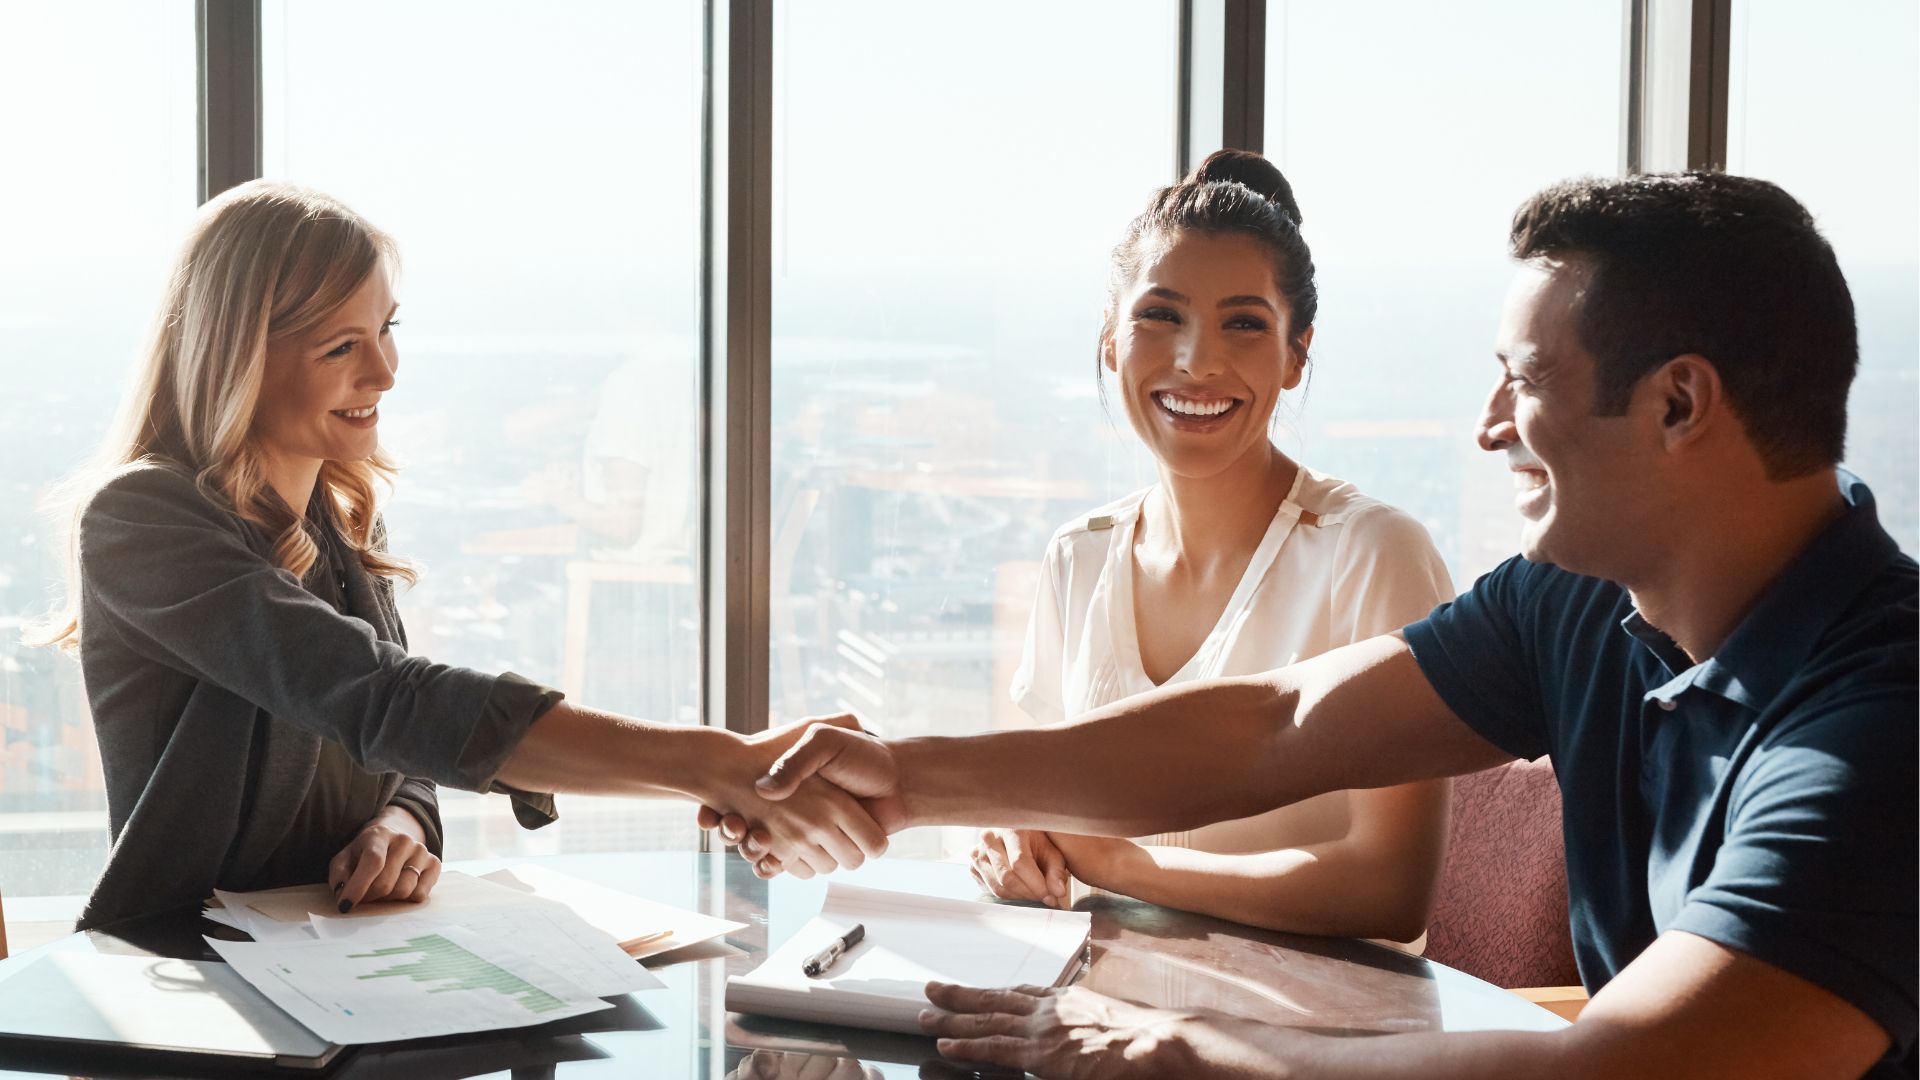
(1688, 394)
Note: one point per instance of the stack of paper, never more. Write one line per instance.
(643, 928)
(522, 946)
(909, 941)
(374, 988)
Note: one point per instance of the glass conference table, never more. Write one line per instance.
(1139, 951)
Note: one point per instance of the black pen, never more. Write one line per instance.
(819, 962)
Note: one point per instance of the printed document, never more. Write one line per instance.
(369, 989)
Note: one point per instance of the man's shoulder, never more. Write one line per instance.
(1867, 662)
(1548, 594)
(1873, 641)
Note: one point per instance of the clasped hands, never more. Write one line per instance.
(822, 795)
(835, 752)
(1059, 1031)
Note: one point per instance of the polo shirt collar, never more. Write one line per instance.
(1768, 648)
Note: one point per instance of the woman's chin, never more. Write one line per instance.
(1196, 466)
(359, 450)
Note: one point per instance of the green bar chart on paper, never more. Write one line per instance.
(383, 985)
(444, 967)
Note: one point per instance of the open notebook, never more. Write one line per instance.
(910, 939)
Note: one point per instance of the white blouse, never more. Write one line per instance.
(1334, 567)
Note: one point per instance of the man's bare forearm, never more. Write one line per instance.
(1359, 717)
(1176, 759)
(1212, 1047)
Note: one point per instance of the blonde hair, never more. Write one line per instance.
(264, 261)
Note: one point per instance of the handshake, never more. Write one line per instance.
(820, 794)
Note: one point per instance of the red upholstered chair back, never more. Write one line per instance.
(1502, 910)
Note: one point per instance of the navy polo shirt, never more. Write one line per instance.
(1763, 799)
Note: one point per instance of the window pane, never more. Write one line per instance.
(1800, 83)
(539, 166)
(99, 124)
(946, 192)
(1411, 131)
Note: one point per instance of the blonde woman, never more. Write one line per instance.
(260, 721)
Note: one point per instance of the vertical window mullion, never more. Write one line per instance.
(737, 364)
(1243, 79)
(1222, 77)
(1183, 90)
(228, 36)
(1710, 54)
(1633, 87)
(1678, 61)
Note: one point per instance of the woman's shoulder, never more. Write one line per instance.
(151, 490)
(1095, 527)
(1359, 517)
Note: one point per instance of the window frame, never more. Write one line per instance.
(1675, 103)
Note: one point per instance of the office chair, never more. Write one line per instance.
(1501, 914)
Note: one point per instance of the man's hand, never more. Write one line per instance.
(386, 860)
(784, 1065)
(756, 841)
(1068, 1033)
(853, 761)
(814, 828)
(831, 750)
(1020, 864)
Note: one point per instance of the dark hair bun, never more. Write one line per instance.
(1256, 172)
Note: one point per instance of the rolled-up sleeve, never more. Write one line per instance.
(514, 697)
(174, 577)
(421, 799)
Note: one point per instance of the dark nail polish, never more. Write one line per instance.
(346, 906)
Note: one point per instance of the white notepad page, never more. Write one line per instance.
(910, 940)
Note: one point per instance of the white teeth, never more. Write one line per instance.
(355, 414)
(1193, 408)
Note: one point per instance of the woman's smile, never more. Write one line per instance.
(1195, 412)
(363, 418)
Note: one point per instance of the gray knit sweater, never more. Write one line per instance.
(213, 676)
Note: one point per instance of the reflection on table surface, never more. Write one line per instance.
(1141, 952)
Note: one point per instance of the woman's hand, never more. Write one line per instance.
(1092, 858)
(387, 860)
(1020, 864)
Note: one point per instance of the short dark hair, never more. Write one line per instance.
(1232, 191)
(1728, 267)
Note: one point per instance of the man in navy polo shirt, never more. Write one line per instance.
(1707, 630)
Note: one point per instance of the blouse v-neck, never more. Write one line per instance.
(1124, 627)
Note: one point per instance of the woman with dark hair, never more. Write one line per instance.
(1238, 560)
